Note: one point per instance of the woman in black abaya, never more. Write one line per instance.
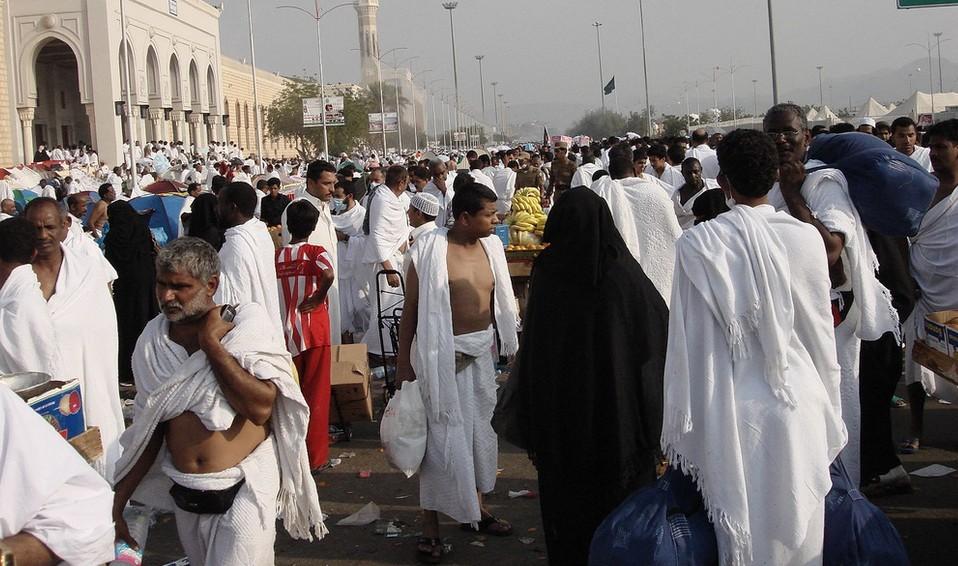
(590, 371)
(129, 247)
(203, 223)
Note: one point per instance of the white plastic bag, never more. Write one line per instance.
(403, 429)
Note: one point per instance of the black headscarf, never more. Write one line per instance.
(129, 238)
(590, 370)
(203, 221)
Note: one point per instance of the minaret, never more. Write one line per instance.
(367, 10)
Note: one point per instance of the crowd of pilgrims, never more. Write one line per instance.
(703, 300)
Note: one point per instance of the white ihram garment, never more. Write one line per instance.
(48, 491)
(871, 314)
(645, 217)
(84, 246)
(352, 290)
(28, 341)
(84, 322)
(462, 447)
(934, 265)
(505, 186)
(386, 241)
(751, 383)
(324, 235)
(248, 270)
(583, 175)
(170, 382)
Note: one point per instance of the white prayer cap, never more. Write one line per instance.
(426, 204)
(443, 158)
(867, 122)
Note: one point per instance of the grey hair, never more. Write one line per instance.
(789, 107)
(191, 255)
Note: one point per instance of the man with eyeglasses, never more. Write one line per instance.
(861, 305)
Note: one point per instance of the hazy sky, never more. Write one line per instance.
(543, 52)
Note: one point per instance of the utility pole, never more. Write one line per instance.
(645, 72)
(941, 87)
(256, 108)
(821, 91)
(482, 88)
(455, 65)
(129, 97)
(495, 105)
(755, 98)
(715, 71)
(771, 44)
(598, 42)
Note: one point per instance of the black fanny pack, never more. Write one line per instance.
(205, 502)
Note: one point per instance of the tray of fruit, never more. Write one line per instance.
(526, 220)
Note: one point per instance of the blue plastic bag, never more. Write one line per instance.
(856, 532)
(891, 191)
(664, 524)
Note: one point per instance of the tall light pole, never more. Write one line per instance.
(931, 75)
(415, 127)
(645, 70)
(318, 15)
(482, 86)
(598, 41)
(941, 86)
(455, 65)
(771, 44)
(398, 89)
(715, 71)
(129, 95)
(502, 117)
(435, 117)
(755, 98)
(252, 53)
(821, 91)
(495, 104)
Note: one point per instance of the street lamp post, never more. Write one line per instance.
(252, 52)
(398, 89)
(821, 91)
(755, 98)
(941, 83)
(318, 15)
(415, 118)
(715, 71)
(450, 6)
(598, 42)
(931, 75)
(645, 70)
(495, 104)
(771, 44)
(435, 117)
(129, 96)
(482, 87)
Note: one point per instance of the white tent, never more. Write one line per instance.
(920, 103)
(826, 115)
(812, 115)
(871, 109)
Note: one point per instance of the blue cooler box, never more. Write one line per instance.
(62, 408)
(502, 230)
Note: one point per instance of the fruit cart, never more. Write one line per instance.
(526, 223)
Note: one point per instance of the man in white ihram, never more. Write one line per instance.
(220, 426)
(644, 215)
(752, 382)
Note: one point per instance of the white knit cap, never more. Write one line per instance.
(426, 204)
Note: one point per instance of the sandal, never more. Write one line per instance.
(898, 403)
(491, 526)
(429, 550)
(909, 446)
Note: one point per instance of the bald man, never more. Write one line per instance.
(84, 321)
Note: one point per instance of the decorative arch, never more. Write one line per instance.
(131, 54)
(211, 90)
(176, 86)
(194, 86)
(26, 66)
(152, 76)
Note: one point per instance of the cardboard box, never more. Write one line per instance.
(953, 340)
(349, 379)
(936, 330)
(63, 408)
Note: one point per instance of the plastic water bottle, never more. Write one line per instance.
(138, 520)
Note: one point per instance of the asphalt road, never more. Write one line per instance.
(927, 519)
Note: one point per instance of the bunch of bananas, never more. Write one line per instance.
(527, 214)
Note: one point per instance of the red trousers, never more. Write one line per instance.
(314, 367)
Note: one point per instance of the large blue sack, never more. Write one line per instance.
(891, 191)
(664, 524)
(856, 532)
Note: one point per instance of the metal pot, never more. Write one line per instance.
(22, 383)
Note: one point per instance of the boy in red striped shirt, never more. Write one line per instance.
(305, 274)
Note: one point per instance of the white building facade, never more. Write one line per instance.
(65, 65)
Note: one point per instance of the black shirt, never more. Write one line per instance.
(271, 210)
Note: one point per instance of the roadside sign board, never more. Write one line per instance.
(906, 4)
